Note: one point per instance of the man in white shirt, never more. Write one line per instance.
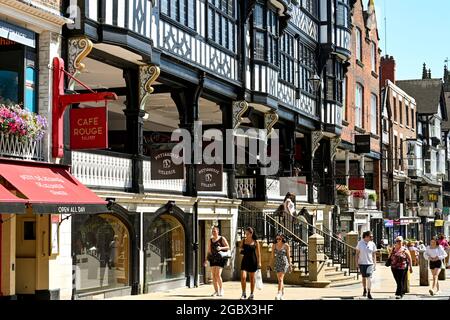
(366, 259)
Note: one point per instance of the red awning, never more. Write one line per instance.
(51, 188)
(9, 203)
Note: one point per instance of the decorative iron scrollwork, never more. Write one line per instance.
(239, 108)
(316, 136)
(147, 76)
(270, 119)
(79, 49)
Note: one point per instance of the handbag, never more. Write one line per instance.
(443, 266)
(259, 282)
(388, 261)
(225, 254)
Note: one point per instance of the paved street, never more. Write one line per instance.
(383, 288)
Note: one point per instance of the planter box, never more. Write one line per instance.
(12, 146)
(358, 203)
(371, 204)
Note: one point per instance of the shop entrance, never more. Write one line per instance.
(26, 237)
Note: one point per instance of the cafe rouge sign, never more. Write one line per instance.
(88, 128)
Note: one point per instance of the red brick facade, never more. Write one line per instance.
(364, 71)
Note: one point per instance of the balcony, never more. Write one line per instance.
(103, 170)
(14, 147)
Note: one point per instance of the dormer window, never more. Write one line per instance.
(265, 24)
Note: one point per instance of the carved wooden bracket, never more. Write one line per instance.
(270, 119)
(239, 108)
(316, 136)
(79, 48)
(335, 142)
(147, 76)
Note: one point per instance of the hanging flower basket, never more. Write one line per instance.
(359, 198)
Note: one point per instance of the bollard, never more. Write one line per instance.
(442, 275)
(423, 269)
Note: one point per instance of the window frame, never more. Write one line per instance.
(358, 44)
(271, 37)
(373, 118)
(177, 19)
(373, 57)
(359, 108)
(306, 68)
(287, 58)
(229, 42)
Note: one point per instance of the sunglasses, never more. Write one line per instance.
(278, 239)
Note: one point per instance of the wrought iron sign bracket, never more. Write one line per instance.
(60, 101)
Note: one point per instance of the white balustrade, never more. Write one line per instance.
(12, 146)
(245, 187)
(102, 170)
(177, 185)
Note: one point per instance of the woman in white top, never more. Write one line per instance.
(435, 253)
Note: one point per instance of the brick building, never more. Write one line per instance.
(361, 117)
(399, 133)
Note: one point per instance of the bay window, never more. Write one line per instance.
(287, 58)
(307, 68)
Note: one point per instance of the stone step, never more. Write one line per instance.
(339, 278)
(334, 274)
(343, 283)
(331, 269)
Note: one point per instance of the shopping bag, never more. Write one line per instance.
(259, 281)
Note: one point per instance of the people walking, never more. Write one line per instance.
(281, 254)
(365, 257)
(400, 260)
(217, 244)
(251, 261)
(435, 253)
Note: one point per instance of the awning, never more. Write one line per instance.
(9, 203)
(51, 188)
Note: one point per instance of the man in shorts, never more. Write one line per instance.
(366, 259)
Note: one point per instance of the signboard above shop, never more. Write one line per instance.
(163, 167)
(362, 143)
(17, 34)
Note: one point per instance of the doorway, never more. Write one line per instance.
(26, 235)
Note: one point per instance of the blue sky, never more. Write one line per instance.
(417, 31)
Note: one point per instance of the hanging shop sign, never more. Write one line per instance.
(355, 183)
(209, 177)
(88, 128)
(362, 143)
(388, 223)
(438, 223)
(163, 167)
(433, 197)
(392, 211)
(17, 34)
(296, 185)
(346, 216)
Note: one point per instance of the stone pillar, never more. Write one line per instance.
(361, 166)
(423, 269)
(316, 260)
(352, 240)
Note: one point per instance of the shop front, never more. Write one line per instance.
(37, 240)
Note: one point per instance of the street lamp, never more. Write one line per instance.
(315, 82)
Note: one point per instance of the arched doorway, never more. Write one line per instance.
(101, 248)
(167, 249)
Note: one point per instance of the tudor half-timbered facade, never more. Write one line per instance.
(228, 64)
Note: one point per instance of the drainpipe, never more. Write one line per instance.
(196, 245)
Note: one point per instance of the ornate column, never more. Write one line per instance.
(139, 87)
(316, 136)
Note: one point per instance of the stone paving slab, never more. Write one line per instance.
(383, 288)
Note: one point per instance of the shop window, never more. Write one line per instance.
(101, 245)
(165, 249)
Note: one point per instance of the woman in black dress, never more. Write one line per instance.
(250, 262)
(217, 243)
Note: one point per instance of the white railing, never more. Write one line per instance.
(102, 170)
(224, 191)
(177, 185)
(273, 189)
(245, 187)
(12, 146)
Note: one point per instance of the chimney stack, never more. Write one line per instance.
(424, 71)
(387, 67)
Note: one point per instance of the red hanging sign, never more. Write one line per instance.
(88, 128)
